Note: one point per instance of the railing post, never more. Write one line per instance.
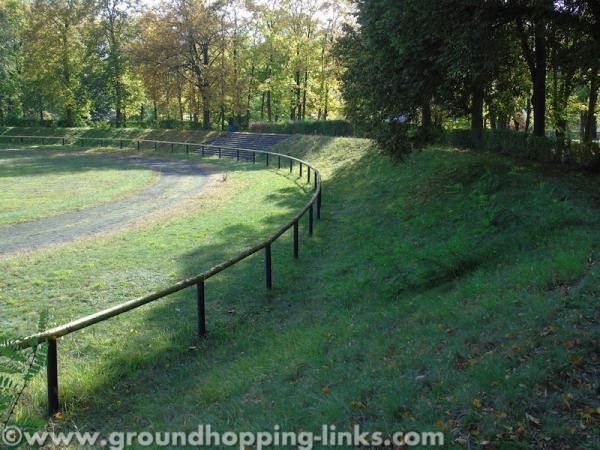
(308, 174)
(138, 145)
(315, 188)
(296, 239)
(63, 142)
(52, 377)
(300, 169)
(202, 150)
(219, 152)
(319, 205)
(237, 155)
(291, 165)
(172, 148)
(310, 220)
(201, 309)
(155, 146)
(279, 162)
(187, 149)
(267, 160)
(253, 157)
(120, 143)
(268, 273)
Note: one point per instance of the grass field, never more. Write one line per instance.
(456, 291)
(34, 186)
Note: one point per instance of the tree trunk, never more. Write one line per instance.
(269, 109)
(528, 115)
(298, 93)
(477, 109)
(539, 80)
(590, 119)
(304, 95)
(426, 122)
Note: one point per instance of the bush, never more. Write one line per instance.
(321, 127)
(526, 146)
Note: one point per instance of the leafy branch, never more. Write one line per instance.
(18, 367)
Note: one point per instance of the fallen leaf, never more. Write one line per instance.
(577, 360)
(532, 419)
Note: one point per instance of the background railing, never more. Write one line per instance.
(52, 335)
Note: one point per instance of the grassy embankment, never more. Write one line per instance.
(457, 292)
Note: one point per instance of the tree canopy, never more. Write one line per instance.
(207, 62)
(501, 63)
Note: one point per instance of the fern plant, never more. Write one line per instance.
(18, 367)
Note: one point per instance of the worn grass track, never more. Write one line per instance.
(36, 184)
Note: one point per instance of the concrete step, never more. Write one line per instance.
(254, 141)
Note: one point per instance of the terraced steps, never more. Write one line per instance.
(253, 141)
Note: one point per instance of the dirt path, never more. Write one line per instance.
(178, 180)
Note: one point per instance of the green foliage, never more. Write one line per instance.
(18, 367)
(321, 127)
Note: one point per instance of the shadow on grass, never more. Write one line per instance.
(239, 310)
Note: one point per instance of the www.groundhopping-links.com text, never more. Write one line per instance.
(205, 436)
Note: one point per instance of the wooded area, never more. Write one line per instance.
(79, 62)
(526, 65)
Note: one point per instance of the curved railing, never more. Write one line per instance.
(51, 335)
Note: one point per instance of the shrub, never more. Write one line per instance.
(321, 127)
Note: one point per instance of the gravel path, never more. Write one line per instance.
(178, 181)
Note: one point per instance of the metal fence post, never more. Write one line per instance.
(296, 239)
(291, 165)
(138, 145)
(172, 148)
(52, 377)
(310, 220)
(237, 155)
(253, 157)
(219, 152)
(267, 159)
(300, 169)
(308, 174)
(279, 162)
(120, 143)
(187, 149)
(63, 142)
(319, 205)
(202, 150)
(268, 273)
(155, 146)
(315, 188)
(201, 309)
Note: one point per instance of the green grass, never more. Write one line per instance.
(457, 291)
(114, 133)
(38, 186)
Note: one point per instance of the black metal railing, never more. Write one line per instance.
(52, 335)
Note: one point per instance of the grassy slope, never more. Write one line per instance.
(455, 291)
(125, 133)
(45, 186)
